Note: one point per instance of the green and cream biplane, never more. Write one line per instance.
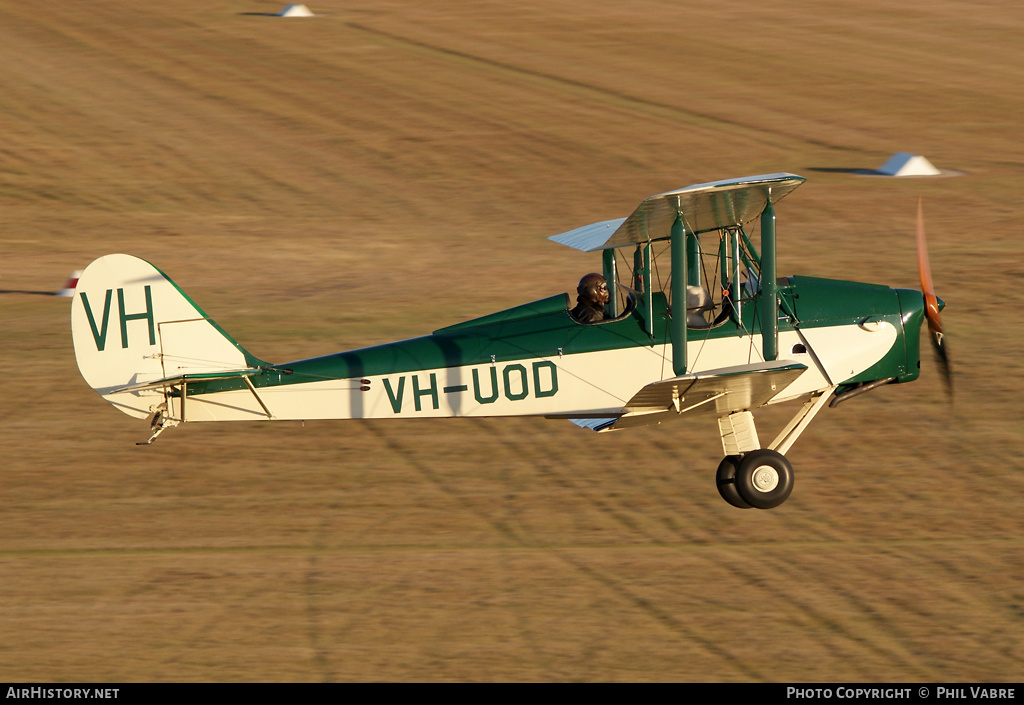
(744, 339)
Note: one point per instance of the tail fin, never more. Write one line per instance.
(132, 326)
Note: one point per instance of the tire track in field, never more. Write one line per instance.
(818, 522)
(827, 624)
(665, 618)
(411, 459)
(314, 618)
(149, 81)
(961, 587)
(849, 632)
(945, 580)
(551, 469)
(560, 84)
(551, 465)
(872, 619)
(672, 622)
(611, 584)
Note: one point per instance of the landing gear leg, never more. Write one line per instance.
(751, 476)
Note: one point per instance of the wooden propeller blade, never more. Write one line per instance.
(924, 270)
(931, 305)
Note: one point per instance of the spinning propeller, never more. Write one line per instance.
(931, 305)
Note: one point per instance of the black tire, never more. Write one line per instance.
(726, 480)
(764, 478)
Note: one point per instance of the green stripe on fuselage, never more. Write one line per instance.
(544, 329)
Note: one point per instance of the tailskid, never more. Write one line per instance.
(157, 423)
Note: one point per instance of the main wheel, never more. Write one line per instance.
(764, 478)
(726, 480)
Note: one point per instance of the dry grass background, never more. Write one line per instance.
(392, 167)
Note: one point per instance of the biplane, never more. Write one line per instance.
(711, 332)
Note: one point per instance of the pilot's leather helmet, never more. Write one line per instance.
(590, 284)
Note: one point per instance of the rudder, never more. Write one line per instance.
(131, 325)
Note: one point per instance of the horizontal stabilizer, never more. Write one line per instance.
(169, 382)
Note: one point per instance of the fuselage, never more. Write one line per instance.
(535, 359)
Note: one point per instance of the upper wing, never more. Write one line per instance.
(718, 392)
(711, 206)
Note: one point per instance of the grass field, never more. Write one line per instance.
(392, 167)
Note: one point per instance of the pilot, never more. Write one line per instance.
(593, 295)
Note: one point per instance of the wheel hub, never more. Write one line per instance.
(765, 478)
